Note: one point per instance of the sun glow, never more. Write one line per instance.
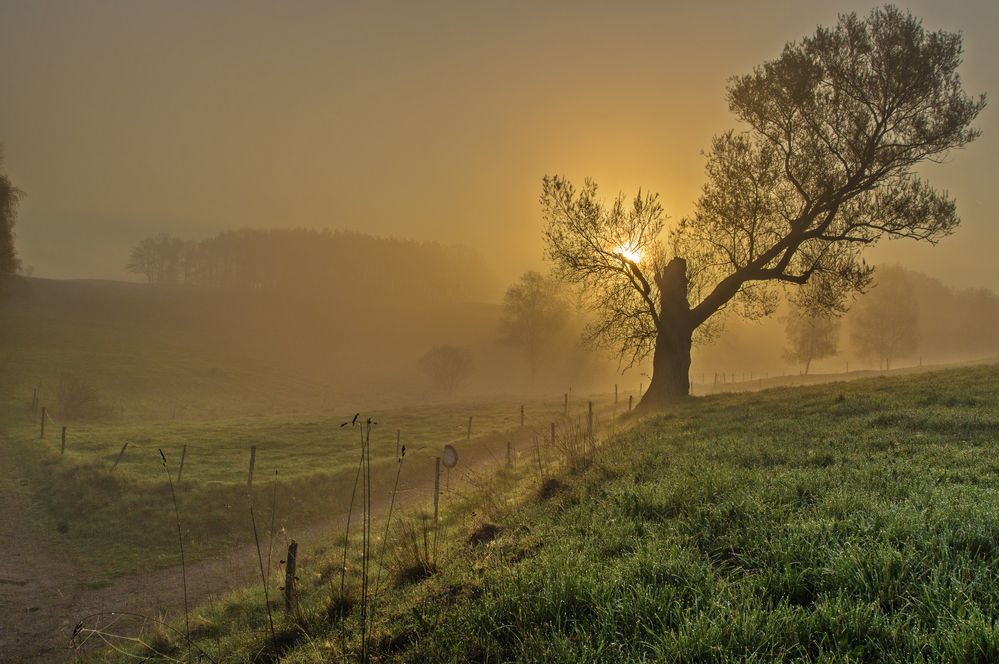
(629, 253)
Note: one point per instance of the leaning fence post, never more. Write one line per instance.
(120, 455)
(45, 413)
(253, 461)
(289, 576)
(183, 455)
(62, 450)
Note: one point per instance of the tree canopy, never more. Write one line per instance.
(9, 198)
(823, 166)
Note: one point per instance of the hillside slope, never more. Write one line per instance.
(847, 522)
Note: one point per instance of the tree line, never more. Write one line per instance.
(904, 314)
(290, 260)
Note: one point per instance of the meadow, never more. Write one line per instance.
(845, 522)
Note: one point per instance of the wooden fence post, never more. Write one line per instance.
(398, 438)
(120, 455)
(469, 435)
(63, 448)
(437, 501)
(34, 402)
(253, 461)
(630, 398)
(589, 420)
(565, 410)
(553, 434)
(289, 577)
(183, 455)
(45, 414)
(509, 454)
(522, 415)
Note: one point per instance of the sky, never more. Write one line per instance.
(429, 120)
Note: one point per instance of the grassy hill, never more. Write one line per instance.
(847, 522)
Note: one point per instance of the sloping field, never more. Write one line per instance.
(846, 522)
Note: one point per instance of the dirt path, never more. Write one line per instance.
(44, 595)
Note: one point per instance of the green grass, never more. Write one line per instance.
(846, 522)
(119, 520)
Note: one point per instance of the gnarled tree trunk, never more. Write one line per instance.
(671, 360)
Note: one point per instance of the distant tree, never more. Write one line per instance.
(159, 259)
(534, 313)
(9, 198)
(447, 366)
(885, 323)
(812, 334)
(836, 126)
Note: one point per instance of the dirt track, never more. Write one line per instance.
(43, 595)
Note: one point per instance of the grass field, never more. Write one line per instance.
(120, 519)
(847, 522)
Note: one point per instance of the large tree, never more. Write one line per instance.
(833, 130)
(9, 197)
(535, 312)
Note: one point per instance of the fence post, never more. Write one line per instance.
(589, 420)
(469, 435)
(253, 461)
(509, 454)
(630, 398)
(183, 455)
(437, 501)
(522, 415)
(565, 409)
(34, 402)
(553, 434)
(289, 577)
(398, 437)
(120, 455)
(63, 448)
(45, 413)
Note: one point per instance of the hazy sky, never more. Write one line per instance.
(431, 120)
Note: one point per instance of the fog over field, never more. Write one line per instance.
(498, 332)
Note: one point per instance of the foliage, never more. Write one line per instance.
(534, 313)
(9, 198)
(837, 125)
(812, 334)
(885, 325)
(447, 366)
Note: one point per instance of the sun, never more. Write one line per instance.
(629, 253)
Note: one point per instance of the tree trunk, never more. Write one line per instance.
(671, 359)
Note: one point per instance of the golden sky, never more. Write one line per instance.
(431, 120)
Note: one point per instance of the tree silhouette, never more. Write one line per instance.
(9, 198)
(447, 366)
(834, 128)
(812, 334)
(885, 323)
(534, 313)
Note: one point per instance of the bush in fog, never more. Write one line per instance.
(447, 366)
(79, 400)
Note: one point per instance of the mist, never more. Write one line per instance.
(453, 331)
